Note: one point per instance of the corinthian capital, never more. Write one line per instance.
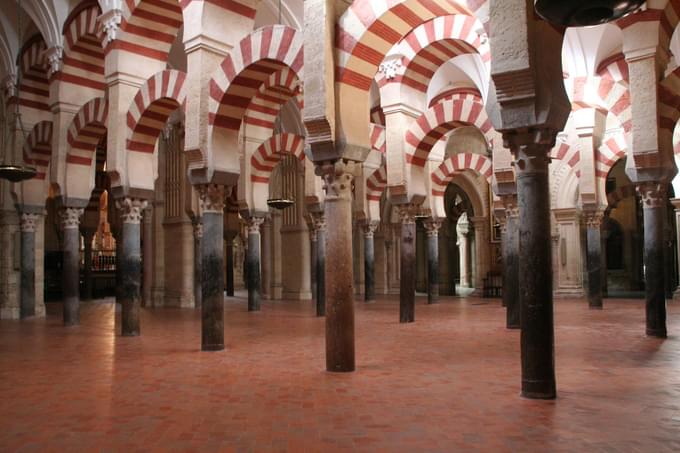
(254, 224)
(653, 194)
(337, 177)
(131, 209)
(54, 60)
(70, 217)
(28, 222)
(212, 197)
(109, 24)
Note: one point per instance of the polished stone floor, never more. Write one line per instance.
(448, 382)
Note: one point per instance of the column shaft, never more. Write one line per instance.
(535, 271)
(147, 258)
(70, 219)
(432, 226)
(87, 266)
(230, 269)
(369, 263)
(654, 214)
(407, 294)
(594, 259)
(131, 265)
(321, 271)
(198, 263)
(338, 268)
(28, 226)
(253, 264)
(212, 254)
(510, 250)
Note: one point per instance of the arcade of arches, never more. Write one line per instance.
(321, 174)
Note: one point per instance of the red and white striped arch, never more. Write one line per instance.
(267, 102)
(268, 154)
(614, 68)
(83, 54)
(162, 94)
(613, 149)
(430, 45)
(670, 17)
(247, 67)
(377, 115)
(433, 124)
(369, 29)
(569, 155)
(87, 129)
(37, 148)
(443, 175)
(35, 89)
(148, 28)
(606, 94)
(461, 94)
(378, 139)
(376, 184)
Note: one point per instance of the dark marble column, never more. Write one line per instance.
(407, 293)
(130, 264)
(198, 262)
(313, 254)
(510, 250)
(28, 225)
(532, 153)
(147, 257)
(654, 213)
(70, 221)
(230, 268)
(432, 227)
(88, 235)
(594, 257)
(320, 225)
(369, 261)
(212, 198)
(266, 253)
(338, 266)
(253, 263)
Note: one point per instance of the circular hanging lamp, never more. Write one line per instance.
(581, 13)
(14, 171)
(281, 202)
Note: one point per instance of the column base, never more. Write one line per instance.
(657, 333)
(541, 390)
(130, 334)
(212, 347)
(569, 293)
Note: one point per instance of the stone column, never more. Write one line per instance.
(532, 157)
(676, 205)
(230, 268)
(432, 227)
(462, 231)
(212, 197)
(654, 212)
(407, 295)
(253, 263)
(198, 262)
(147, 257)
(593, 220)
(266, 258)
(313, 241)
(510, 250)
(320, 227)
(70, 222)
(88, 235)
(130, 264)
(369, 261)
(338, 266)
(28, 225)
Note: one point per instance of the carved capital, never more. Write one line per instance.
(198, 229)
(653, 194)
(432, 227)
(369, 229)
(211, 197)
(390, 68)
(28, 222)
(70, 217)
(109, 24)
(337, 177)
(531, 149)
(510, 205)
(593, 218)
(407, 213)
(319, 220)
(131, 209)
(54, 57)
(253, 224)
(9, 85)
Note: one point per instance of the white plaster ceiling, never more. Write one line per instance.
(462, 71)
(292, 13)
(585, 48)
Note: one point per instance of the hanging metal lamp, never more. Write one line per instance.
(15, 171)
(581, 13)
(282, 201)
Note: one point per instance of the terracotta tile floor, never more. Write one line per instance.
(448, 382)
